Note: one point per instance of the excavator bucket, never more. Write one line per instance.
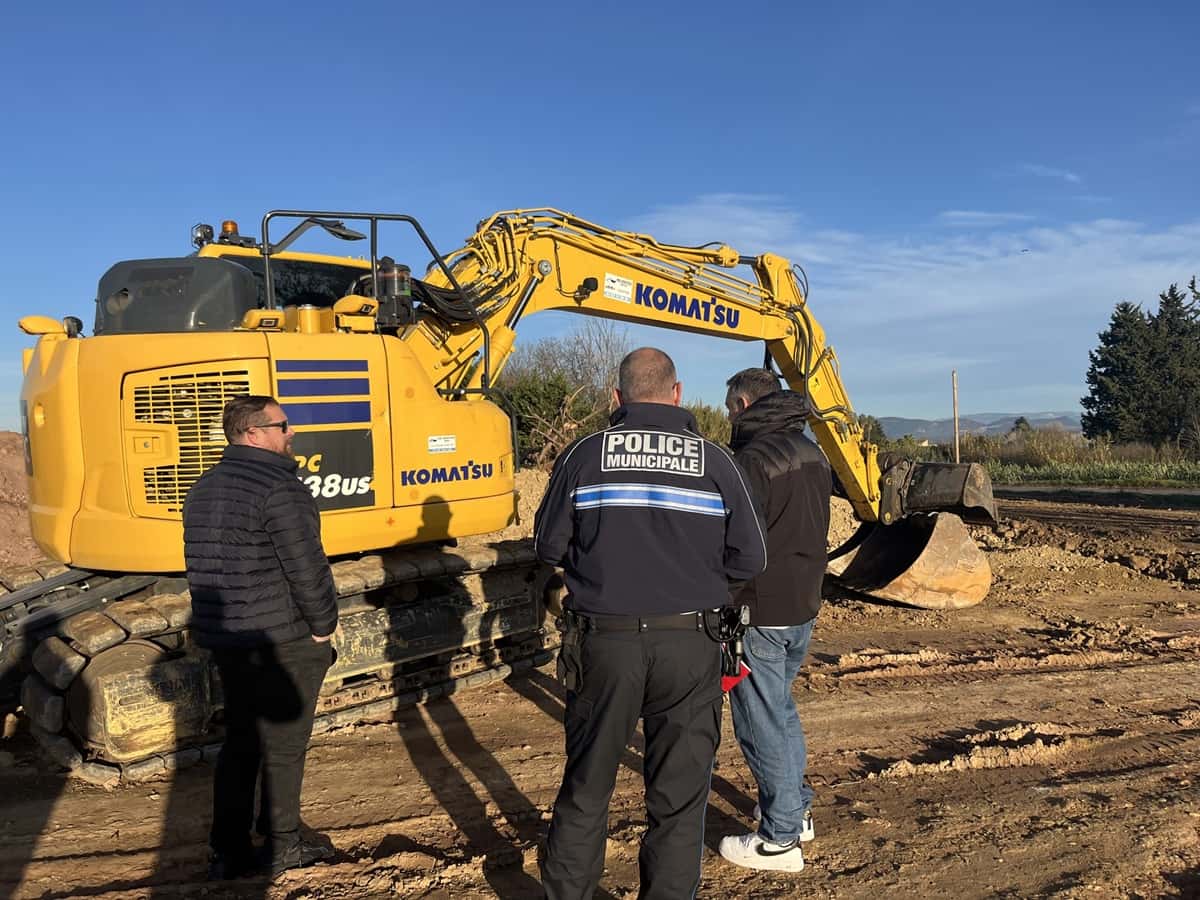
(964, 489)
(929, 561)
(926, 558)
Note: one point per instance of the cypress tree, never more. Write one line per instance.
(1117, 406)
(1174, 384)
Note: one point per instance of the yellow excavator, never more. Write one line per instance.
(404, 440)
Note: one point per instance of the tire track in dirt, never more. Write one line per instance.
(1122, 744)
(1163, 544)
(868, 669)
(1047, 743)
(1098, 704)
(1090, 518)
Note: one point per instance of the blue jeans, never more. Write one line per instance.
(768, 727)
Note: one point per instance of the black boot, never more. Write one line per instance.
(226, 864)
(303, 850)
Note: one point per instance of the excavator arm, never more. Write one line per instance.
(525, 261)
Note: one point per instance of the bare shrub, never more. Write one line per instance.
(561, 387)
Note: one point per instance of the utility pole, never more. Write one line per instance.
(954, 390)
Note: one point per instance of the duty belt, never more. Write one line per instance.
(685, 622)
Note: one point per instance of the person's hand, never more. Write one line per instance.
(323, 638)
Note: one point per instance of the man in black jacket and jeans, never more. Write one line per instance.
(791, 480)
(264, 603)
(650, 522)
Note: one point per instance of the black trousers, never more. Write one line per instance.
(671, 680)
(270, 699)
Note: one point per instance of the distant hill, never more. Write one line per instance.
(941, 430)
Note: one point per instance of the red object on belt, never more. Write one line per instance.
(728, 682)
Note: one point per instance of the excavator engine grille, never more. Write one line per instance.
(193, 404)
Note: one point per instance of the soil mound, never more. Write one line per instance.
(17, 548)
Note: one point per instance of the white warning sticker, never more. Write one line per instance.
(443, 443)
(618, 288)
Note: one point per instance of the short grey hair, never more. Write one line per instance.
(754, 384)
(646, 376)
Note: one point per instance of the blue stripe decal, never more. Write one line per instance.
(327, 413)
(644, 503)
(320, 365)
(656, 496)
(662, 492)
(323, 387)
(650, 495)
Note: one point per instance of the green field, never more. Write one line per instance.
(1060, 457)
(1116, 473)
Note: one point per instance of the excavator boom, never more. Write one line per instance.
(524, 261)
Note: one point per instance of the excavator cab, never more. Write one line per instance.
(172, 296)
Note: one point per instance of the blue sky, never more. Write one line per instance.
(968, 188)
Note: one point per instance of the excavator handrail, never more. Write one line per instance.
(316, 217)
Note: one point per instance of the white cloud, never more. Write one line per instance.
(749, 219)
(1050, 172)
(1015, 309)
(975, 218)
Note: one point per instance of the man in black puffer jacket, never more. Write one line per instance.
(791, 480)
(264, 603)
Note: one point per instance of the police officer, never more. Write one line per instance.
(650, 523)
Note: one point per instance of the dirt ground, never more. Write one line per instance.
(1045, 743)
(17, 548)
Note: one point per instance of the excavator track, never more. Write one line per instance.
(103, 667)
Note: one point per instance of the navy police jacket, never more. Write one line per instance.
(648, 518)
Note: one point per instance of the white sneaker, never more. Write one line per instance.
(753, 852)
(807, 832)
